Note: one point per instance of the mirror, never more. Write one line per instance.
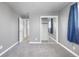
(52, 27)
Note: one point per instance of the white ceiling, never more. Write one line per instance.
(23, 8)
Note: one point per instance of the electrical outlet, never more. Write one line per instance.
(1, 46)
(74, 48)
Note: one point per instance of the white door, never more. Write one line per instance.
(21, 30)
(25, 28)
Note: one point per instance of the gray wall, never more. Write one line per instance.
(8, 27)
(35, 25)
(63, 25)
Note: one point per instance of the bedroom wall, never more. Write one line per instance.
(8, 27)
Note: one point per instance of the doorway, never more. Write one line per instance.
(48, 29)
(23, 27)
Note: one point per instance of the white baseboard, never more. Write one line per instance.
(66, 48)
(34, 42)
(8, 49)
(53, 39)
(69, 50)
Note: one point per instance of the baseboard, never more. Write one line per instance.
(53, 39)
(8, 49)
(34, 42)
(66, 48)
(69, 50)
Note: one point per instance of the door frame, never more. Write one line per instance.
(56, 27)
(27, 28)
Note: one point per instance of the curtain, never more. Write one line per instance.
(73, 27)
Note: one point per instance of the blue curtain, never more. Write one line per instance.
(73, 30)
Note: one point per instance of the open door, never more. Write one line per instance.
(48, 29)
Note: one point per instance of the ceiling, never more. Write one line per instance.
(23, 8)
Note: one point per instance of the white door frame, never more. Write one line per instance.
(20, 39)
(56, 27)
(20, 30)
